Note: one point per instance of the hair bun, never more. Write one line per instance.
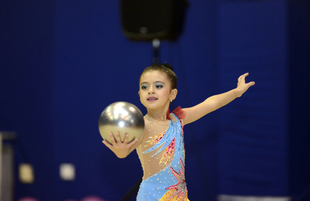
(168, 66)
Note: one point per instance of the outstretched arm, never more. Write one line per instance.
(217, 101)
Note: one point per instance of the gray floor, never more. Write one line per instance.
(250, 198)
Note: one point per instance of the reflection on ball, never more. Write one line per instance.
(123, 117)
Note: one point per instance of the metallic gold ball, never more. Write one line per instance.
(123, 117)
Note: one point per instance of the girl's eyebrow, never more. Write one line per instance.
(154, 82)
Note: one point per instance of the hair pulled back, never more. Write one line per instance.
(165, 68)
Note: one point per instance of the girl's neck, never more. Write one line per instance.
(155, 118)
(158, 116)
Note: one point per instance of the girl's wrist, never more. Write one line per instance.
(236, 93)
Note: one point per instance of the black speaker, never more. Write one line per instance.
(152, 19)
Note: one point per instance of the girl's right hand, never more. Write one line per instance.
(121, 149)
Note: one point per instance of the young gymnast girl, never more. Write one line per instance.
(161, 147)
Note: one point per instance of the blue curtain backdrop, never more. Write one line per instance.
(63, 62)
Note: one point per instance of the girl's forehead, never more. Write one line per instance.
(153, 75)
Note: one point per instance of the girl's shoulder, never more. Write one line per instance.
(178, 112)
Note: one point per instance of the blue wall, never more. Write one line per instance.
(26, 75)
(253, 143)
(63, 62)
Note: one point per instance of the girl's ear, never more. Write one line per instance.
(173, 94)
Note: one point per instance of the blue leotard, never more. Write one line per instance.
(162, 156)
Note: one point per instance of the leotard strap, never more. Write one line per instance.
(178, 112)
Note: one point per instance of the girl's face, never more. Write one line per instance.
(155, 90)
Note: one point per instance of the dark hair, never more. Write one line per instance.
(165, 68)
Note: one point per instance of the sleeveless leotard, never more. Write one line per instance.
(162, 157)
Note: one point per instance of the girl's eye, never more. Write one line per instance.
(158, 86)
(143, 86)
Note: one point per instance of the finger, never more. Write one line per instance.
(133, 142)
(105, 141)
(242, 77)
(251, 83)
(113, 139)
(107, 144)
(126, 139)
(118, 137)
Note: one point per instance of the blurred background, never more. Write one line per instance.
(63, 62)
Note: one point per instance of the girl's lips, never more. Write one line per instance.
(152, 99)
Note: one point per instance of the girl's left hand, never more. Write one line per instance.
(242, 86)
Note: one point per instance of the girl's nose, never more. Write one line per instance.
(151, 90)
